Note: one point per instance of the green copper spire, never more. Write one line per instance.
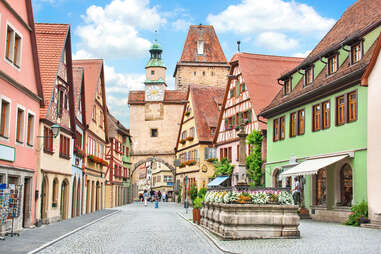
(155, 60)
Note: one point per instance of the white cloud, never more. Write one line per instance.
(305, 54)
(276, 41)
(181, 24)
(253, 16)
(113, 31)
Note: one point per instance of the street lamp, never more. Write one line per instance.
(55, 130)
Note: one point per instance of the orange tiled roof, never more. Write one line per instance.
(212, 49)
(260, 73)
(205, 100)
(51, 40)
(92, 71)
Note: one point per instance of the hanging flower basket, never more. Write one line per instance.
(187, 113)
(182, 141)
(190, 138)
(182, 165)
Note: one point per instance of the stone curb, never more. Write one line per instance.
(71, 232)
(208, 236)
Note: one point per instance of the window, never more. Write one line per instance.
(194, 73)
(64, 147)
(231, 93)
(352, 106)
(316, 117)
(356, 53)
(48, 140)
(30, 132)
(184, 135)
(154, 133)
(13, 47)
(212, 73)
(55, 193)
(243, 87)
(200, 47)
(152, 72)
(4, 121)
(78, 140)
(94, 114)
(237, 159)
(203, 73)
(340, 110)
(293, 124)
(60, 102)
(191, 132)
(221, 153)
(229, 155)
(212, 131)
(308, 76)
(101, 119)
(195, 154)
(326, 115)
(282, 128)
(20, 126)
(346, 188)
(287, 87)
(332, 64)
(321, 187)
(276, 130)
(301, 122)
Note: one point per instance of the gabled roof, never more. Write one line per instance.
(51, 40)
(212, 49)
(170, 96)
(92, 71)
(205, 101)
(77, 82)
(372, 63)
(359, 19)
(117, 124)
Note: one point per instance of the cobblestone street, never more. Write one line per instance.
(138, 229)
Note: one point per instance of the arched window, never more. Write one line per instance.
(321, 187)
(277, 182)
(55, 193)
(346, 189)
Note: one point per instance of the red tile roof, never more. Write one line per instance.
(51, 40)
(170, 96)
(92, 72)
(205, 100)
(357, 20)
(358, 16)
(212, 49)
(260, 73)
(77, 82)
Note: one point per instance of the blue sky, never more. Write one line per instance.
(120, 31)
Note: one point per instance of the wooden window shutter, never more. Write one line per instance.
(249, 115)
(321, 117)
(46, 140)
(239, 118)
(7, 53)
(345, 108)
(18, 130)
(29, 129)
(236, 90)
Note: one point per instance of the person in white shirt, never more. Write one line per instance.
(296, 191)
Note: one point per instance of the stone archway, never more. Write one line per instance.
(64, 201)
(74, 198)
(44, 199)
(153, 159)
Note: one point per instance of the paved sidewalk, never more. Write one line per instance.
(316, 237)
(31, 239)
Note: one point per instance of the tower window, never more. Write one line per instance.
(203, 73)
(154, 133)
(152, 72)
(194, 73)
(200, 47)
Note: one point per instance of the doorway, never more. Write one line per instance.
(64, 199)
(44, 199)
(26, 222)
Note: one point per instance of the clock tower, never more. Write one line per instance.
(155, 75)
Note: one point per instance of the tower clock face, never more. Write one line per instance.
(154, 93)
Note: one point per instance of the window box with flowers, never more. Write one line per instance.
(190, 138)
(187, 113)
(182, 165)
(98, 160)
(79, 152)
(190, 163)
(182, 141)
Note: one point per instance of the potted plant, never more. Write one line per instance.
(190, 138)
(197, 205)
(187, 113)
(182, 141)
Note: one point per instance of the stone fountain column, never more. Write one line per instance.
(242, 171)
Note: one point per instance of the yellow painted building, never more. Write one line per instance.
(194, 146)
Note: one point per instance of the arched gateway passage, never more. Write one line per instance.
(153, 159)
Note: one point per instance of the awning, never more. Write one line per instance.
(217, 181)
(312, 166)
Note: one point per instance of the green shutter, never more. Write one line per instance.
(237, 90)
(249, 115)
(226, 124)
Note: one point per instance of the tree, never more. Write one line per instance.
(254, 160)
(223, 168)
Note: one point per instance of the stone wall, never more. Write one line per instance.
(249, 221)
(201, 75)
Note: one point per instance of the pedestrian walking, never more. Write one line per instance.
(164, 197)
(159, 195)
(145, 195)
(296, 192)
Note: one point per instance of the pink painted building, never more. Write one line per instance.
(20, 100)
(252, 84)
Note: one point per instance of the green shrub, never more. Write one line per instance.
(202, 193)
(254, 160)
(193, 192)
(179, 196)
(223, 168)
(197, 203)
(358, 211)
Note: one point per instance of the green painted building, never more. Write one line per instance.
(317, 124)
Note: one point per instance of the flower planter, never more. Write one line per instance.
(182, 141)
(189, 138)
(187, 113)
(196, 215)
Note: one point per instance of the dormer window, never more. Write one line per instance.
(200, 47)
(308, 76)
(287, 87)
(333, 64)
(356, 52)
